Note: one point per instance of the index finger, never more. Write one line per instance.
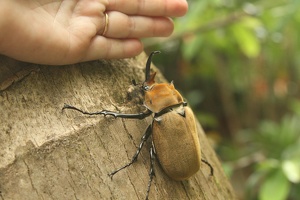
(167, 8)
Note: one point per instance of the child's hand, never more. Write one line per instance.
(70, 31)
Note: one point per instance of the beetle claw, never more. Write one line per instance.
(110, 176)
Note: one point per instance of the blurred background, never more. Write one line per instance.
(237, 63)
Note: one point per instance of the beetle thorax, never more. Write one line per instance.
(161, 96)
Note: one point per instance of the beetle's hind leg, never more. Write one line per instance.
(208, 164)
(134, 158)
(151, 172)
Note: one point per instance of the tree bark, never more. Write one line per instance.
(49, 154)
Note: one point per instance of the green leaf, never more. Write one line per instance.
(295, 106)
(247, 40)
(291, 169)
(191, 47)
(291, 163)
(268, 165)
(275, 187)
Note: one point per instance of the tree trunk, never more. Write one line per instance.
(49, 154)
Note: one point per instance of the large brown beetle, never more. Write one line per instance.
(175, 139)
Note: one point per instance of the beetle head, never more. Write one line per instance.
(149, 78)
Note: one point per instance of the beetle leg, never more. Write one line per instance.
(184, 103)
(134, 82)
(211, 168)
(107, 112)
(134, 158)
(151, 172)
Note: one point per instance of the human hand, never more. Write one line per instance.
(70, 31)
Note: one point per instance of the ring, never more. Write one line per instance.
(106, 24)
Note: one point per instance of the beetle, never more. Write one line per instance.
(175, 141)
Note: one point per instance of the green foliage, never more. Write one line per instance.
(275, 138)
(279, 173)
(275, 187)
(246, 39)
(238, 65)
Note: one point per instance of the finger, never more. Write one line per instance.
(168, 8)
(89, 12)
(102, 47)
(124, 26)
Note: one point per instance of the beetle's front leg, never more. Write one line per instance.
(141, 115)
(134, 158)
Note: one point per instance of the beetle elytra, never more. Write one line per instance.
(175, 141)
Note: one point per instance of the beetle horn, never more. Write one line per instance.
(148, 64)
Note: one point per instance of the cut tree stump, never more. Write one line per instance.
(49, 154)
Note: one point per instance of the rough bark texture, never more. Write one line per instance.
(49, 154)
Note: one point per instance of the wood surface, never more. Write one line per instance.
(49, 154)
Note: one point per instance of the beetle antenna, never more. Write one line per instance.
(148, 64)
